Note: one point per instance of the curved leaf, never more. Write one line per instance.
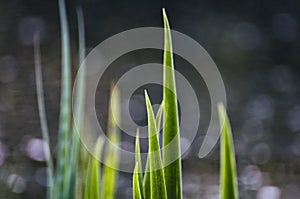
(171, 126)
(157, 179)
(43, 117)
(228, 182)
(139, 163)
(146, 181)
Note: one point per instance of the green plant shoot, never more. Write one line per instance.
(229, 189)
(172, 169)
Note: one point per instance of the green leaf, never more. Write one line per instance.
(228, 180)
(139, 163)
(92, 186)
(43, 117)
(65, 107)
(146, 181)
(171, 125)
(157, 180)
(137, 193)
(79, 106)
(110, 173)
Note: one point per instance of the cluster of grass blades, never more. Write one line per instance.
(79, 174)
(70, 178)
(163, 175)
(162, 179)
(94, 189)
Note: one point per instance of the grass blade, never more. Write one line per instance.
(171, 128)
(80, 93)
(110, 173)
(157, 180)
(228, 180)
(92, 189)
(65, 108)
(137, 193)
(146, 181)
(42, 115)
(139, 171)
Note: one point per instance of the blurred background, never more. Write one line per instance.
(255, 44)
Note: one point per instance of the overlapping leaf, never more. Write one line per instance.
(146, 181)
(139, 170)
(157, 179)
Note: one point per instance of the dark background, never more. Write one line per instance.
(255, 45)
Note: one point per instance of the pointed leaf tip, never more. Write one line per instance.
(172, 168)
(222, 114)
(165, 18)
(146, 93)
(164, 11)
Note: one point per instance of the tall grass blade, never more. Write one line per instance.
(228, 180)
(146, 181)
(139, 171)
(80, 93)
(171, 128)
(137, 193)
(157, 179)
(43, 117)
(65, 108)
(92, 188)
(110, 173)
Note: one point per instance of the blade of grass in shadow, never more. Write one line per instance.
(228, 180)
(139, 171)
(80, 93)
(110, 173)
(92, 188)
(137, 194)
(43, 117)
(171, 129)
(146, 181)
(65, 107)
(157, 180)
